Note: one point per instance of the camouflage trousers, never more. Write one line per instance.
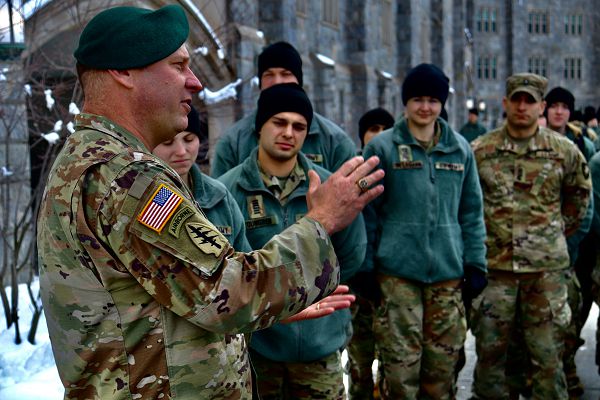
(321, 379)
(535, 303)
(518, 363)
(361, 350)
(419, 329)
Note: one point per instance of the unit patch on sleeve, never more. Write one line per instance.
(206, 238)
(160, 208)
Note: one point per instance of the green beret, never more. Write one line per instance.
(131, 37)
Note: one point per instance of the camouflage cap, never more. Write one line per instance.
(533, 84)
(131, 37)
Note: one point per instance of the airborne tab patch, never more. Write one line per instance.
(160, 208)
(177, 221)
(206, 238)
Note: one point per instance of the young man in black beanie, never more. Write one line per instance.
(302, 359)
(326, 144)
(560, 104)
(472, 129)
(426, 242)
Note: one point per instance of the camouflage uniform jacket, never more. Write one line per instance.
(143, 296)
(326, 145)
(428, 224)
(534, 195)
(302, 341)
(220, 208)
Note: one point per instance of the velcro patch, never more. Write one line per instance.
(206, 238)
(258, 222)
(450, 166)
(316, 158)
(408, 165)
(160, 208)
(225, 230)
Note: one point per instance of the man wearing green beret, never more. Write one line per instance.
(536, 190)
(143, 296)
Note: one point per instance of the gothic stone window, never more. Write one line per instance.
(538, 23)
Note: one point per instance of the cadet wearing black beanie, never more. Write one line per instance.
(561, 95)
(376, 116)
(285, 97)
(280, 55)
(425, 80)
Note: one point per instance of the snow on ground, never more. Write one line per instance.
(27, 371)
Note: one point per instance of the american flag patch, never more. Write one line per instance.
(160, 208)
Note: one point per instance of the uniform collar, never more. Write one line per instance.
(206, 195)
(105, 125)
(251, 179)
(538, 142)
(447, 143)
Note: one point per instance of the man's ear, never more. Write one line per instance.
(122, 77)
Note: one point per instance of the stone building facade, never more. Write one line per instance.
(557, 39)
(357, 52)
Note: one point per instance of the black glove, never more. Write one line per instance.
(365, 285)
(474, 281)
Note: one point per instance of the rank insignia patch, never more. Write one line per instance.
(160, 208)
(256, 206)
(206, 238)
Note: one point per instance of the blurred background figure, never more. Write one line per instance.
(472, 129)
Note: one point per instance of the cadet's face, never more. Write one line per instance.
(423, 111)
(180, 152)
(373, 131)
(558, 115)
(275, 76)
(164, 93)
(522, 111)
(282, 136)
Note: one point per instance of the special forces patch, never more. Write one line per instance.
(206, 238)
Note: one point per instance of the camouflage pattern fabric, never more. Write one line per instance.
(322, 379)
(572, 335)
(534, 196)
(540, 300)
(361, 350)
(420, 329)
(144, 298)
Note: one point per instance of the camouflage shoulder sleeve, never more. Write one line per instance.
(576, 190)
(163, 239)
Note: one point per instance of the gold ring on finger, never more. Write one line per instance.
(362, 184)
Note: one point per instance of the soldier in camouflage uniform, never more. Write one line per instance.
(536, 191)
(426, 234)
(300, 360)
(144, 298)
(326, 144)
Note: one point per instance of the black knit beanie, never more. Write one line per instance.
(425, 80)
(194, 124)
(286, 97)
(280, 55)
(589, 113)
(376, 116)
(562, 95)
